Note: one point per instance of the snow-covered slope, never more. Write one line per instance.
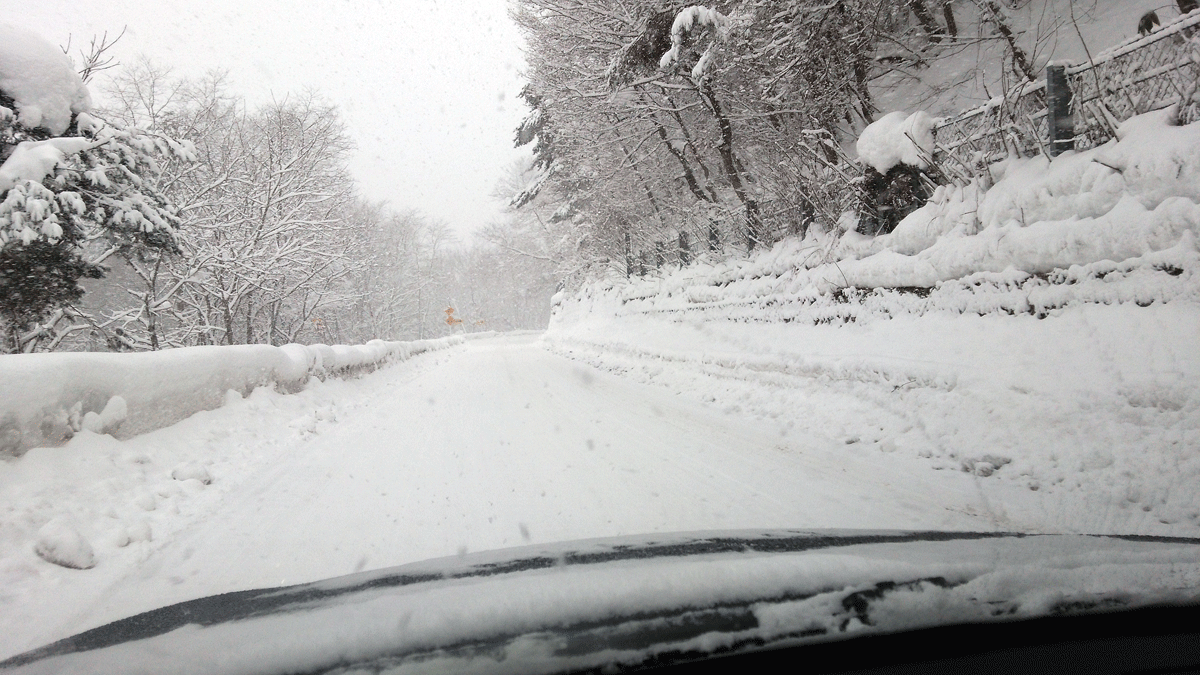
(1041, 333)
(967, 71)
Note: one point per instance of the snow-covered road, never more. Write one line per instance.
(495, 443)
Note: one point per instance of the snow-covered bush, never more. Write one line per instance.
(897, 138)
(898, 153)
(73, 188)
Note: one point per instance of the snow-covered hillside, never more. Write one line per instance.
(1041, 333)
(968, 72)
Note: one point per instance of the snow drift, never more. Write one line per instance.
(46, 398)
(1129, 208)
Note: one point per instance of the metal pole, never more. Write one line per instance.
(1058, 111)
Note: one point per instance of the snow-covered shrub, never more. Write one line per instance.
(897, 138)
(897, 150)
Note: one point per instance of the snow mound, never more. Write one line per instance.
(60, 543)
(46, 398)
(897, 139)
(40, 79)
(107, 420)
(191, 471)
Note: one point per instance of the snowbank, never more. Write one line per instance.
(46, 398)
(41, 80)
(1040, 334)
(1057, 229)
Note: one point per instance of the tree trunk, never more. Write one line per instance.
(925, 18)
(628, 253)
(228, 317)
(948, 15)
(1020, 60)
(729, 162)
(689, 176)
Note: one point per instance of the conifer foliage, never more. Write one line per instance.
(74, 189)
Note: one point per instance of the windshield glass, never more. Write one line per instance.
(290, 291)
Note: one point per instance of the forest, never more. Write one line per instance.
(658, 133)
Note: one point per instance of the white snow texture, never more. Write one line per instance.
(41, 79)
(897, 139)
(34, 160)
(45, 398)
(59, 542)
(685, 22)
(1041, 334)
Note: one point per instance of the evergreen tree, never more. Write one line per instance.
(74, 190)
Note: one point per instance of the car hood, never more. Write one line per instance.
(635, 600)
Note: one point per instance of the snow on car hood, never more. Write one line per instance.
(586, 604)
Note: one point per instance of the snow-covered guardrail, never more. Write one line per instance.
(46, 398)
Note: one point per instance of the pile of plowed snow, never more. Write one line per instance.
(1114, 224)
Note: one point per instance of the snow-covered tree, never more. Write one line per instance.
(733, 121)
(268, 219)
(74, 190)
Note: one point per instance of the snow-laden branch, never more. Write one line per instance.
(688, 21)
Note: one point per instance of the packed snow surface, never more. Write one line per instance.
(498, 442)
(493, 443)
(41, 80)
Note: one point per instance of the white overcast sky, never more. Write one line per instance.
(427, 88)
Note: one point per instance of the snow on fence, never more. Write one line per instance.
(46, 398)
(1134, 77)
(1137, 76)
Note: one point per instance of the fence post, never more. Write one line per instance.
(628, 256)
(660, 255)
(1058, 111)
(685, 249)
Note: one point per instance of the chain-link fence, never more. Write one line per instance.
(1137, 76)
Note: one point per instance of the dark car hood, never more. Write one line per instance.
(632, 600)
